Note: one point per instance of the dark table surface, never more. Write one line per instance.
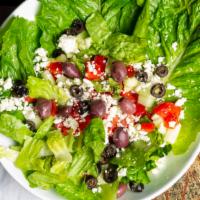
(188, 188)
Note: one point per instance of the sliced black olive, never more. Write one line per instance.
(84, 107)
(141, 76)
(110, 151)
(78, 26)
(76, 91)
(162, 71)
(158, 90)
(57, 52)
(19, 89)
(136, 187)
(31, 125)
(110, 174)
(91, 181)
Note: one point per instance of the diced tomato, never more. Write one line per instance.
(130, 95)
(168, 111)
(64, 130)
(140, 110)
(101, 60)
(148, 126)
(98, 65)
(54, 108)
(83, 125)
(55, 68)
(130, 71)
(29, 99)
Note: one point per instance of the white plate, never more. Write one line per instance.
(171, 168)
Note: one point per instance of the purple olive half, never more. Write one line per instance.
(121, 138)
(98, 108)
(127, 106)
(70, 70)
(118, 71)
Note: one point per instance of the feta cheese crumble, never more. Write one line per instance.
(68, 44)
(175, 46)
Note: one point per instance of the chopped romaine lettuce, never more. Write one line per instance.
(39, 88)
(57, 145)
(18, 46)
(8, 153)
(13, 128)
(44, 128)
(94, 137)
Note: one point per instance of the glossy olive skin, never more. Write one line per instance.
(19, 89)
(110, 151)
(44, 108)
(110, 175)
(158, 90)
(136, 187)
(121, 189)
(98, 108)
(121, 138)
(91, 182)
(118, 71)
(70, 70)
(127, 106)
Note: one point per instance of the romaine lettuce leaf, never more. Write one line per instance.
(30, 155)
(54, 17)
(39, 88)
(19, 44)
(12, 127)
(57, 145)
(8, 153)
(94, 137)
(44, 128)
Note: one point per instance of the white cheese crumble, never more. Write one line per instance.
(68, 44)
(180, 102)
(172, 124)
(70, 122)
(122, 172)
(170, 87)
(8, 84)
(175, 46)
(178, 93)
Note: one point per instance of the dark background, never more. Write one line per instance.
(6, 7)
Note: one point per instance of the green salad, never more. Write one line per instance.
(95, 92)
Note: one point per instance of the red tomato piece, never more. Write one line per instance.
(55, 68)
(83, 125)
(95, 68)
(54, 108)
(148, 126)
(131, 96)
(130, 71)
(64, 130)
(29, 99)
(140, 110)
(168, 111)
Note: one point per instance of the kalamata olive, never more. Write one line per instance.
(77, 26)
(76, 91)
(121, 189)
(64, 111)
(121, 138)
(158, 90)
(110, 175)
(91, 181)
(19, 89)
(70, 70)
(57, 52)
(70, 31)
(84, 107)
(141, 76)
(110, 151)
(44, 108)
(127, 106)
(162, 71)
(31, 125)
(118, 71)
(136, 187)
(98, 108)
